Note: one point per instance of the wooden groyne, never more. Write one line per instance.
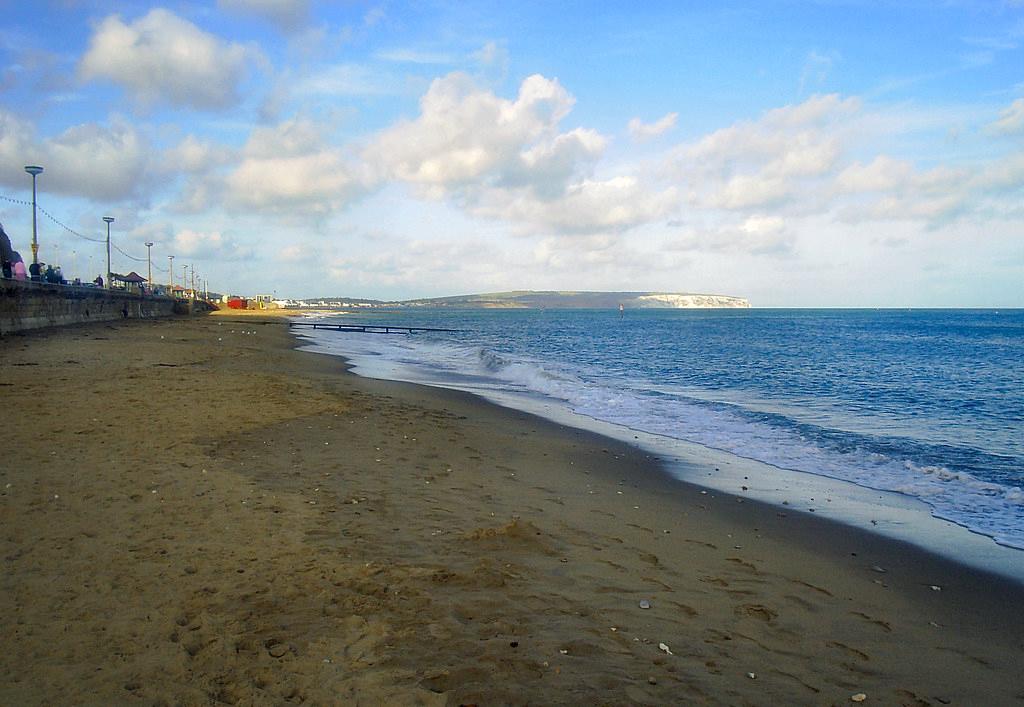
(374, 328)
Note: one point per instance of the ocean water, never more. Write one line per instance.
(924, 403)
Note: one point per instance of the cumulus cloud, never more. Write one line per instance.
(209, 244)
(884, 173)
(640, 131)
(99, 162)
(194, 156)
(17, 148)
(474, 265)
(586, 207)
(1011, 119)
(288, 15)
(162, 57)
(508, 159)
(465, 135)
(754, 164)
(897, 190)
(103, 163)
(291, 168)
(758, 234)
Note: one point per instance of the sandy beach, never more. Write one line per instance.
(194, 513)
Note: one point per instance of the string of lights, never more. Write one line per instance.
(22, 202)
(130, 257)
(66, 228)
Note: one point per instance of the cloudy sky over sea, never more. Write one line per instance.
(796, 153)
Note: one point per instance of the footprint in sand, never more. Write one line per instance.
(884, 625)
(743, 563)
(848, 650)
(811, 586)
(756, 611)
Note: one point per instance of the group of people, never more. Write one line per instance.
(13, 265)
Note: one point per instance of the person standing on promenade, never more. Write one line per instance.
(19, 267)
(6, 252)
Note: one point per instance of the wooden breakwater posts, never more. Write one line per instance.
(374, 328)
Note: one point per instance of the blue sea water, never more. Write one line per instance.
(926, 403)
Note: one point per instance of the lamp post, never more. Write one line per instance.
(184, 279)
(35, 171)
(149, 260)
(109, 220)
(170, 275)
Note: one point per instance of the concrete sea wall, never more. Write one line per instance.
(34, 305)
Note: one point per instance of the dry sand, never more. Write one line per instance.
(194, 513)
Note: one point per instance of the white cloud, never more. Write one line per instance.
(289, 15)
(162, 57)
(900, 191)
(465, 134)
(290, 168)
(754, 164)
(884, 173)
(209, 244)
(1005, 174)
(89, 160)
(586, 207)
(194, 156)
(98, 162)
(506, 159)
(639, 130)
(17, 148)
(745, 191)
(1011, 119)
(759, 234)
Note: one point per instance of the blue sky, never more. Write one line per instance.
(795, 153)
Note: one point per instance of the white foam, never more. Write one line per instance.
(983, 507)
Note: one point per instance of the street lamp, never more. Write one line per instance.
(109, 220)
(170, 275)
(35, 171)
(149, 259)
(184, 278)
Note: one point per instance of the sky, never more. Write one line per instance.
(799, 154)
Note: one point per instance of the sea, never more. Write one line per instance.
(875, 409)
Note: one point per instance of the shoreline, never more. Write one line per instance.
(895, 516)
(306, 533)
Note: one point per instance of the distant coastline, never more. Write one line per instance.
(542, 299)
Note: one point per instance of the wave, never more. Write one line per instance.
(893, 464)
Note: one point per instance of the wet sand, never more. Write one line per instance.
(194, 513)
